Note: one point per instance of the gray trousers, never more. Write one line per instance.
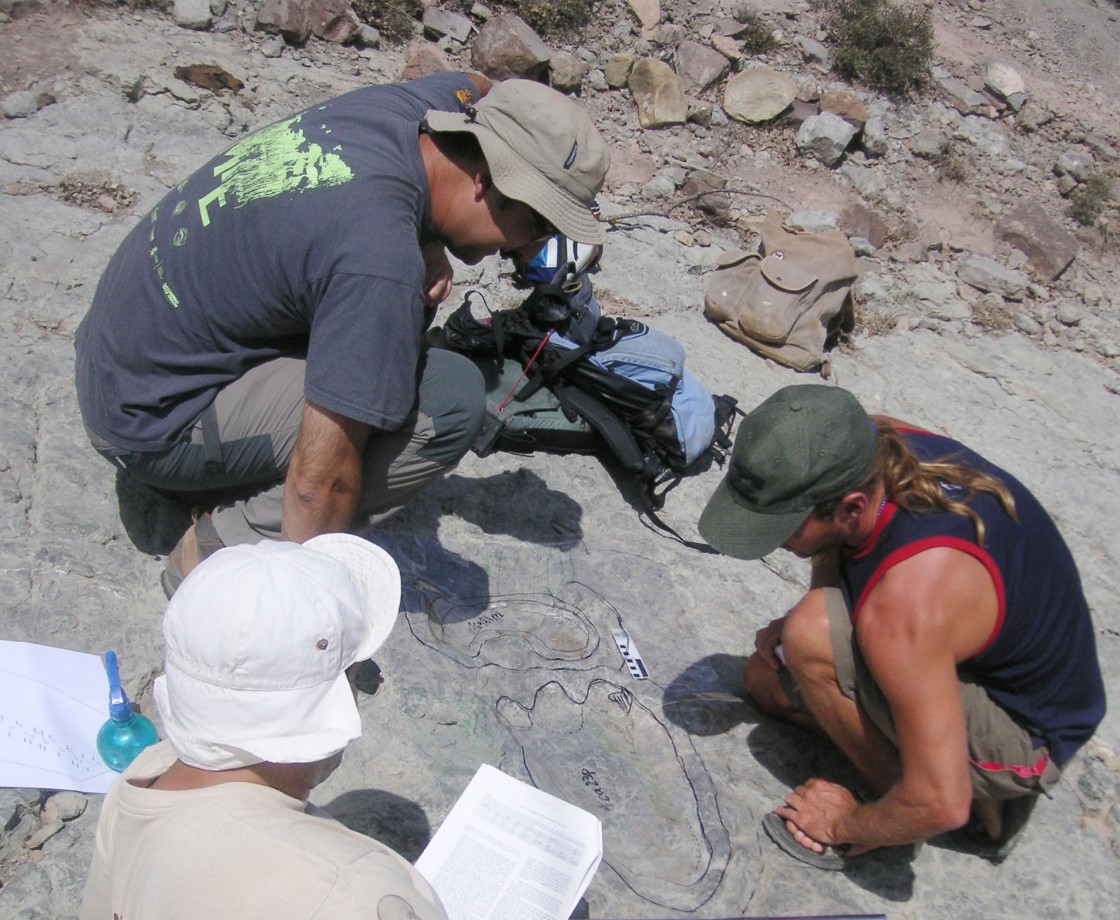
(244, 442)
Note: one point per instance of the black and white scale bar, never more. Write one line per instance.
(630, 654)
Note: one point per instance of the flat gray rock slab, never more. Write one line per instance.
(517, 569)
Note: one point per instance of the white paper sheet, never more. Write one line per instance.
(53, 703)
(508, 850)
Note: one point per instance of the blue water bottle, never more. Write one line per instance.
(126, 733)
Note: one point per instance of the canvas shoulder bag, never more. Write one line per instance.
(791, 300)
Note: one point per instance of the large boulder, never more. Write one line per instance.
(333, 20)
(1049, 248)
(657, 93)
(192, 14)
(699, 66)
(284, 17)
(297, 20)
(423, 59)
(758, 95)
(825, 136)
(507, 47)
(647, 12)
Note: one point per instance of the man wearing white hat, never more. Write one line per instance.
(260, 334)
(257, 708)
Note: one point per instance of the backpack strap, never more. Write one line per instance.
(727, 410)
(608, 425)
(697, 545)
(548, 365)
(625, 448)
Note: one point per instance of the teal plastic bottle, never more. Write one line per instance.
(126, 733)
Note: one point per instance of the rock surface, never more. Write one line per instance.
(1026, 372)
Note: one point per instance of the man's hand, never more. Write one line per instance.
(815, 813)
(767, 640)
(438, 274)
(324, 480)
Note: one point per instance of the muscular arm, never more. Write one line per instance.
(925, 616)
(324, 480)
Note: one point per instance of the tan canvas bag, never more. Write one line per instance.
(790, 300)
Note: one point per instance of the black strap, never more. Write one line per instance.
(212, 441)
(661, 525)
(606, 423)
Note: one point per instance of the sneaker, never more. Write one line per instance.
(200, 540)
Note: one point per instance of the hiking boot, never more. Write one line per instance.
(200, 540)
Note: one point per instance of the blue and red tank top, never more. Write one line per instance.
(1040, 662)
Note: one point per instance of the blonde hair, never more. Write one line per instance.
(916, 485)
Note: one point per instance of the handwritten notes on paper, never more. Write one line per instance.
(54, 701)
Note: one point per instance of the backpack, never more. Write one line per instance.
(791, 300)
(562, 377)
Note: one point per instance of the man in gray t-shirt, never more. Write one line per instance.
(261, 330)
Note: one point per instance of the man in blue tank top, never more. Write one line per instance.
(945, 644)
(260, 333)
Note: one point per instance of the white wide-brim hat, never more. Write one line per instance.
(258, 640)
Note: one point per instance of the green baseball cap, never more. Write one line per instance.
(542, 148)
(802, 446)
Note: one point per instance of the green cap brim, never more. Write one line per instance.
(741, 533)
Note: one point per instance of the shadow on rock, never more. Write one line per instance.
(793, 754)
(153, 521)
(706, 698)
(887, 872)
(430, 573)
(398, 823)
(515, 503)
(633, 490)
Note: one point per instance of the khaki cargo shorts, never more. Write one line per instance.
(1003, 761)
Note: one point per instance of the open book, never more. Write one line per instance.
(508, 851)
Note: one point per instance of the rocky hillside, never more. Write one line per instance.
(958, 196)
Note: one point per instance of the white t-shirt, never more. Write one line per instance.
(238, 851)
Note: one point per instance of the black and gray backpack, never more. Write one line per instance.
(564, 378)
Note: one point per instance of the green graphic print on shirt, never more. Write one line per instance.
(268, 163)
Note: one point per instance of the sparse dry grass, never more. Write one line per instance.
(886, 44)
(950, 165)
(758, 37)
(1089, 201)
(870, 323)
(545, 17)
(991, 315)
(394, 19)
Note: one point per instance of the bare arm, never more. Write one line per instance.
(825, 574)
(324, 480)
(926, 615)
